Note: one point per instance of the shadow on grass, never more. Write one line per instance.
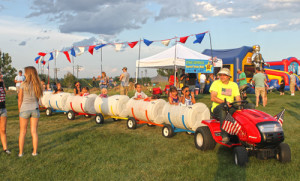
(296, 115)
(64, 139)
(64, 129)
(227, 170)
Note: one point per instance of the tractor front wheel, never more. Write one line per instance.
(284, 153)
(240, 156)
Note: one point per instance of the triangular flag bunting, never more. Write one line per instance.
(37, 59)
(81, 51)
(132, 44)
(42, 54)
(183, 39)
(51, 56)
(165, 42)
(199, 38)
(73, 52)
(118, 46)
(67, 55)
(56, 54)
(99, 46)
(147, 42)
(91, 49)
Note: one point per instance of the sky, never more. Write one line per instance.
(31, 26)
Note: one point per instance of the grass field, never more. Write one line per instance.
(82, 150)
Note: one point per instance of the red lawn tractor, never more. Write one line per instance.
(260, 135)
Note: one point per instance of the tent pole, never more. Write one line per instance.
(138, 69)
(175, 62)
(73, 65)
(211, 52)
(39, 66)
(48, 72)
(55, 70)
(101, 61)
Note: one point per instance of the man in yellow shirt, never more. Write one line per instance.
(219, 91)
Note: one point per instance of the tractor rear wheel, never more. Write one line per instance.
(203, 139)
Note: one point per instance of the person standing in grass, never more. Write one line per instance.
(18, 80)
(282, 86)
(292, 83)
(28, 97)
(103, 81)
(259, 80)
(3, 115)
(124, 78)
(243, 81)
(202, 82)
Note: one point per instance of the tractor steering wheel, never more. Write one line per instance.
(239, 104)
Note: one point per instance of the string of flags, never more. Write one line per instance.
(118, 46)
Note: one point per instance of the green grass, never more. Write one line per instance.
(82, 150)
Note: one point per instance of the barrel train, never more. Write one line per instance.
(194, 119)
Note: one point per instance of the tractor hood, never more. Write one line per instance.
(249, 119)
(255, 116)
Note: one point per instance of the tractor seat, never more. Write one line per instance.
(212, 115)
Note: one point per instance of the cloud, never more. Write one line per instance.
(95, 16)
(115, 16)
(1, 7)
(291, 25)
(266, 27)
(42, 38)
(256, 17)
(23, 43)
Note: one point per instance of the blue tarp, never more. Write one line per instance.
(229, 55)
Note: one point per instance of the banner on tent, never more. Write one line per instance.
(198, 66)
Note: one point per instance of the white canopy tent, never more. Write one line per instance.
(166, 59)
(170, 58)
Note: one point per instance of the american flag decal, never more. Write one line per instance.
(279, 117)
(230, 125)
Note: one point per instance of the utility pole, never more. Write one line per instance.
(55, 74)
(73, 65)
(78, 67)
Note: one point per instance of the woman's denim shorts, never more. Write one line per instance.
(30, 114)
(3, 112)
